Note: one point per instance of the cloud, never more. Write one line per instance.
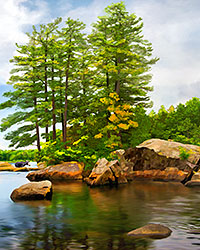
(15, 18)
(173, 28)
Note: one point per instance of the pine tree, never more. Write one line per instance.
(123, 57)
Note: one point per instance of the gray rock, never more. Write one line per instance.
(33, 191)
(151, 230)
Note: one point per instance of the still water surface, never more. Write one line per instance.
(79, 217)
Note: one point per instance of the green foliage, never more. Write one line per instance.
(142, 132)
(180, 124)
(122, 55)
(79, 150)
(18, 155)
(184, 154)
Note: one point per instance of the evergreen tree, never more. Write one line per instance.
(123, 57)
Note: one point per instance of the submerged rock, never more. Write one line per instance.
(151, 230)
(60, 172)
(33, 191)
(106, 173)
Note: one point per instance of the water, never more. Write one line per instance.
(79, 217)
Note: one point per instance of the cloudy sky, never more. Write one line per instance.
(172, 26)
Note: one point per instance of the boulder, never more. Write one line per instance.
(171, 149)
(21, 164)
(33, 191)
(155, 231)
(5, 166)
(156, 154)
(60, 172)
(106, 173)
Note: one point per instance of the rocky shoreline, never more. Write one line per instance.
(153, 160)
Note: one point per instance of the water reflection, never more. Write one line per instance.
(79, 217)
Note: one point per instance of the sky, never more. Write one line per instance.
(172, 26)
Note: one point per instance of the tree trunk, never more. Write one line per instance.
(117, 83)
(61, 103)
(107, 79)
(46, 97)
(66, 101)
(53, 106)
(54, 115)
(36, 126)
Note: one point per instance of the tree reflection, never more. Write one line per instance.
(74, 220)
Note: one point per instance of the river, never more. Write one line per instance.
(79, 217)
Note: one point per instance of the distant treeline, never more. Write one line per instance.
(17, 155)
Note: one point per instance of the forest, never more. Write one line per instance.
(81, 95)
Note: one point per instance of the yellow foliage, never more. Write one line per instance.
(123, 126)
(112, 145)
(111, 102)
(133, 124)
(111, 108)
(113, 118)
(112, 95)
(171, 109)
(121, 113)
(115, 96)
(103, 100)
(98, 136)
(126, 106)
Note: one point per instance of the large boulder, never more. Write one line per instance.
(151, 230)
(106, 173)
(162, 156)
(60, 172)
(33, 191)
